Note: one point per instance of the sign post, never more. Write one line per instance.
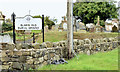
(43, 26)
(14, 36)
(33, 37)
(24, 36)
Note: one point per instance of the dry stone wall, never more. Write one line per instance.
(25, 56)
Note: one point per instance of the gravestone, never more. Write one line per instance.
(98, 29)
(65, 26)
(6, 39)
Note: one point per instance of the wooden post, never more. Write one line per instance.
(69, 28)
(119, 36)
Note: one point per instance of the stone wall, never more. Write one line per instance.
(25, 56)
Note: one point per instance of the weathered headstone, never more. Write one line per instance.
(6, 39)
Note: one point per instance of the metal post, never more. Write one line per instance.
(14, 36)
(69, 27)
(33, 37)
(43, 26)
(24, 36)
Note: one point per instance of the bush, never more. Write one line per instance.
(7, 27)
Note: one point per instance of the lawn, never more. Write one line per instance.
(99, 61)
(59, 36)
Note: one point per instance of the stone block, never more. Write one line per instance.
(44, 63)
(17, 66)
(93, 41)
(36, 46)
(49, 44)
(55, 44)
(4, 54)
(26, 46)
(51, 55)
(87, 41)
(81, 42)
(10, 46)
(43, 45)
(6, 59)
(25, 66)
(41, 59)
(58, 51)
(17, 53)
(56, 57)
(22, 59)
(4, 46)
(14, 59)
(4, 67)
(26, 53)
(46, 57)
(19, 46)
(10, 53)
(36, 61)
(30, 62)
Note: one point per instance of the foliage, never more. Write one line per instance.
(7, 27)
(99, 61)
(48, 21)
(38, 16)
(8, 21)
(89, 11)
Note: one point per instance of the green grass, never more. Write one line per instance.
(99, 61)
(52, 36)
(59, 36)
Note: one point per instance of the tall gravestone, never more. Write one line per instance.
(98, 25)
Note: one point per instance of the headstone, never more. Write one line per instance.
(6, 39)
(65, 26)
(46, 29)
(98, 29)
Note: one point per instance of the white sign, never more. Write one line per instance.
(28, 23)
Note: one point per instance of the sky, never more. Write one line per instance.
(52, 8)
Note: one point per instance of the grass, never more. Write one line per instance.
(53, 36)
(99, 61)
(59, 36)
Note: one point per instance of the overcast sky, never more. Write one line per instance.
(52, 8)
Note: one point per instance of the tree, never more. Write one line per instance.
(8, 21)
(54, 20)
(89, 11)
(7, 27)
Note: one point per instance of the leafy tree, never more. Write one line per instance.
(7, 27)
(89, 11)
(54, 20)
(8, 21)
